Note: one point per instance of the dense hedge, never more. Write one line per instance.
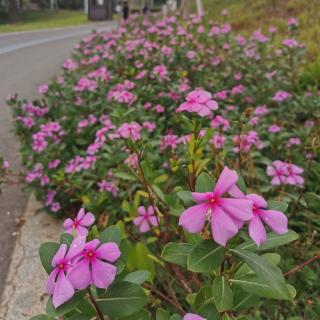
(111, 133)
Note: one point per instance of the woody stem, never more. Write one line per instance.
(94, 302)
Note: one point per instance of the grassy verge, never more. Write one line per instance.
(35, 20)
(247, 16)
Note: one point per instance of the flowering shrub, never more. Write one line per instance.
(190, 144)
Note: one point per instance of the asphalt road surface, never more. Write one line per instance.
(26, 61)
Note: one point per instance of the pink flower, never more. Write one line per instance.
(225, 214)
(290, 43)
(199, 101)
(274, 128)
(218, 141)
(58, 285)
(293, 174)
(146, 218)
(80, 223)
(43, 88)
(278, 172)
(93, 267)
(281, 96)
(192, 316)
(276, 220)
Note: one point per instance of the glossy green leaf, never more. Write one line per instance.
(266, 273)
(111, 234)
(277, 205)
(138, 277)
(222, 294)
(177, 253)
(204, 183)
(274, 240)
(122, 299)
(162, 314)
(47, 251)
(205, 257)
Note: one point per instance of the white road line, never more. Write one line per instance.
(46, 40)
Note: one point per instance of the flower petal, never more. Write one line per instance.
(76, 247)
(144, 226)
(68, 223)
(81, 231)
(194, 218)
(192, 316)
(80, 214)
(223, 227)
(276, 220)
(108, 251)
(235, 192)
(103, 274)
(79, 275)
(257, 231)
(153, 220)
(226, 181)
(142, 210)
(201, 197)
(138, 220)
(60, 254)
(51, 281)
(63, 290)
(257, 200)
(241, 209)
(87, 220)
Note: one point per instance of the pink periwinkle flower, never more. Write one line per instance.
(276, 220)
(218, 141)
(93, 267)
(293, 174)
(278, 172)
(226, 215)
(281, 96)
(43, 88)
(80, 224)
(199, 101)
(274, 128)
(58, 285)
(192, 316)
(145, 219)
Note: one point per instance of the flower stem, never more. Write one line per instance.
(94, 302)
(302, 265)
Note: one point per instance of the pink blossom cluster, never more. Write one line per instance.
(244, 142)
(82, 264)
(228, 214)
(285, 173)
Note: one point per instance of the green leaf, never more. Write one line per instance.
(66, 307)
(186, 198)
(140, 315)
(162, 314)
(259, 287)
(241, 184)
(40, 317)
(122, 299)
(274, 240)
(125, 176)
(222, 294)
(209, 312)
(277, 205)
(313, 200)
(138, 277)
(204, 183)
(266, 273)
(139, 259)
(243, 300)
(176, 317)
(66, 238)
(177, 253)
(111, 234)
(205, 257)
(47, 251)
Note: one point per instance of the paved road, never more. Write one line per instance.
(26, 61)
